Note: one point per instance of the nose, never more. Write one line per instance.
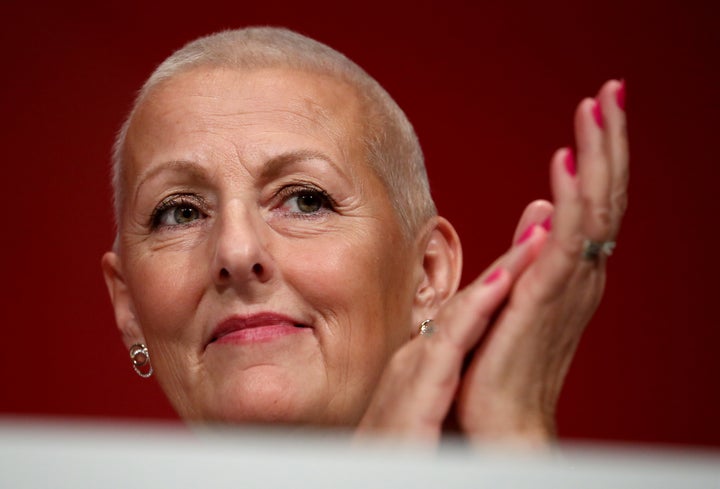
(241, 257)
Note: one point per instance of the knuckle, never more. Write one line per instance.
(620, 202)
(448, 348)
(603, 217)
(600, 219)
(598, 224)
(471, 300)
(464, 299)
(571, 246)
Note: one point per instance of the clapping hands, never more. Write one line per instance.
(502, 346)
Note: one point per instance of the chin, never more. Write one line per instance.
(266, 400)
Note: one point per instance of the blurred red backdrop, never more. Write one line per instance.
(491, 88)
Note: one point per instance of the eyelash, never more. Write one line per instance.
(191, 201)
(327, 204)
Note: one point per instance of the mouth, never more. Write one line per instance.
(255, 328)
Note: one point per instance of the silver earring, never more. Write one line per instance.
(427, 328)
(140, 357)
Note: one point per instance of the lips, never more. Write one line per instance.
(255, 327)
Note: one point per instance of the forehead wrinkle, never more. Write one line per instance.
(254, 117)
(342, 126)
(175, 166)
(338, 122)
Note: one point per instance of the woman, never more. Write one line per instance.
(279, 258)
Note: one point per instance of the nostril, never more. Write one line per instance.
(257, 269)
(224, 273)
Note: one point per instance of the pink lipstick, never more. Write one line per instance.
(255, 328)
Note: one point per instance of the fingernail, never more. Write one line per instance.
(493, 276)
(547, 223)
(597, 115)
(526, 234)
(620, 95)
(570, 162)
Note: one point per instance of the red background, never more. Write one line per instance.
(491, 89)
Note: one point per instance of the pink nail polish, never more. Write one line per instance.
(598, 115)
(570, 162)
(526, 234)
(493, 276)
(547, 223)
(620, 95)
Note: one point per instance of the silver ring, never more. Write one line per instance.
(427, 327)
(593, 249)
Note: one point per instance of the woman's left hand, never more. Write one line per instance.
(513, 380)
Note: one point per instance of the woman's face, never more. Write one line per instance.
(260, 258)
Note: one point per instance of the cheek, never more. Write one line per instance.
(167, 289)
(339, 274)
(360, 289)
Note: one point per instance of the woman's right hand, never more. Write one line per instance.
(417, 388)
(516, 373)
(512, 384)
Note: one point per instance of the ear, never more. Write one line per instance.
(121, 300)
(441, 269)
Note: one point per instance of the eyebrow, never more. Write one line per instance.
(178, 166)
(273, 167)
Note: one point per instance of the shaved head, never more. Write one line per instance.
(391, 146)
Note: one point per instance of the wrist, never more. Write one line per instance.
(528, 429)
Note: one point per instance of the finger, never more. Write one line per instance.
(612, 98)
(418, 385)
(415, 392)
(594, 172)
(559, 257)
(466, 317)
(536, 212)
(568, 214)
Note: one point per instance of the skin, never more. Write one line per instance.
(520, 352)
(245, 140)
(503, 345)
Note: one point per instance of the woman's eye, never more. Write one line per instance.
(185, 214)
(175, 213)
(307, 201)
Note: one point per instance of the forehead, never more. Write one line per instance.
(251, 110)
(258, 89)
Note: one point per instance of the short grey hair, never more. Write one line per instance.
(391, 145)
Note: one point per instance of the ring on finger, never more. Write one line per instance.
(593, 249)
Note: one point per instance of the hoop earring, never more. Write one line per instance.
(140, 357)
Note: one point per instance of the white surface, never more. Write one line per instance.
(78, 455)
